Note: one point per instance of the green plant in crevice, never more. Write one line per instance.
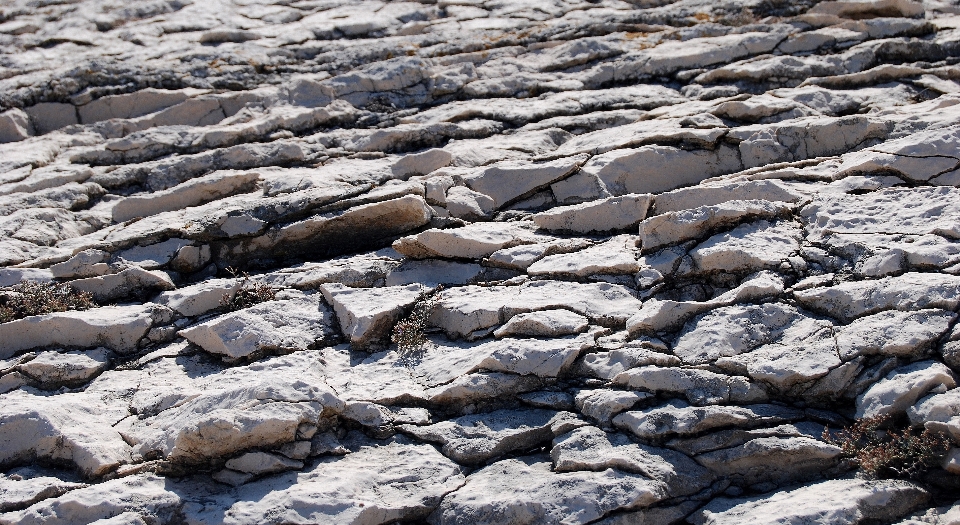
(28, 298)
(409, 334)
(249, 293)
(881, 452)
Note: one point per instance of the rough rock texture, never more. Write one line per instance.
(652, 249)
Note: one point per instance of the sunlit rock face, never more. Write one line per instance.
(476, 261)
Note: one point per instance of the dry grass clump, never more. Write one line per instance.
(907, 453)
(409, 334)
(250, 293)
(28, 298)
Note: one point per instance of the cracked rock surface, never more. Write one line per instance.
(668, 244)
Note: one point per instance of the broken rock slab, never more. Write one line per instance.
(680, 419)
(902, 387)
(475, 439)
(544, 323)
(605, 215)
(910, 291)
(367, 315)
(589, 448)
(53, 369)
(278, 326)
(840, 500)
(771, 460)
(525, 490)
(473, 241)
(675, 227)
(118, 328)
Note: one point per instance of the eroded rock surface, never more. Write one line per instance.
(653, 251)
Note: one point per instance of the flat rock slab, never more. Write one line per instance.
(525, 490)
(53, 369)
(118, 328)
(369, 485)
(271, 327)
(910, 291)
(21, 493)
(473, 241)
(604, 215)
(544, 323)
(678, 226)
(748, 247)
(366, 315)
(700, 387)
(589, 448)
(73, 428)
(679, 419)
(893, 333)
(915, 211)
(902, 387)
(836, 501)
(614, 257)
(771, 460)
(470, 308)
(476, 439)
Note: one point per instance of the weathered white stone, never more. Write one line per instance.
(607, 365)
(524, 490)
(771, 459)
(467, 309)
(902, 387)
(674, 227)
(656, 169)
(838, 501)
(88, 263)
(611, 214)
(507, 181)
(259, 463)
(274, 326)
(602, 405)
(369, 485)
(464, 203)
(545, 323)
(153, 256)
(72, 428)
(938, 412)
(910, 291)
(25, 491)
(146, 495)
(476, 439)
(200, 298)
(119, 328)
(614, 257)
(257, 406)
(473, 241)
(589, 448)
(700, 387)
(132, 281)
(521, 257)
(901, 334)
(658, 315)
(904, 211)
(748, 247)
(15, 125)
(52, 369)
(432, 272)
(678, 418)
(367, 315)
(191, 193)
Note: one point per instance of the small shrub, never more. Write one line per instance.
(248, 294)
(409, 334)
(31, 298)
(891, 453)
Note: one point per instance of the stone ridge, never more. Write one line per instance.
(669, 244)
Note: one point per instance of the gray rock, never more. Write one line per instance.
(902, 387)
(838, 501)
(274, 326)
(678, 418)
(544, 323)
(589, 448)
(476, 439)
(524, 490)
(366, 316)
